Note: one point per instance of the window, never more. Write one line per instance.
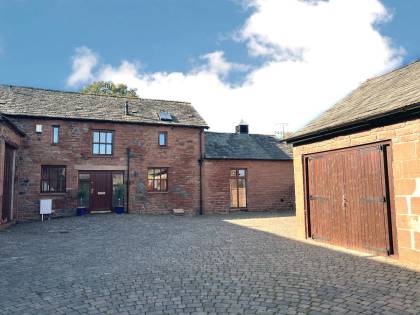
(157, 179)
(102, 142)
(53, 179)
(55, 134)
(165, 116)
(163, 138)
(238, 188)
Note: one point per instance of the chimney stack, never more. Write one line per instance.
(242, 128)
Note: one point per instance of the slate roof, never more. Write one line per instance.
(232, 146)
(26, 101)
(12, 125)
(395, 91)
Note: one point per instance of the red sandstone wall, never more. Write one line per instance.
(74, 150)
(270, 185)
(405, 145)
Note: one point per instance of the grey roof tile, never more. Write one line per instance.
(245, 147)
(383, 94)
(26, 101)
(12, 125)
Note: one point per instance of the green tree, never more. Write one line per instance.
(109, 88)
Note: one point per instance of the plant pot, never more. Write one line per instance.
(119, 209)
(81, 211)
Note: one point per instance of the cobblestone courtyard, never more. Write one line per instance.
(132, 264)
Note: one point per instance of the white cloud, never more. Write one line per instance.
(316, 52)
(215, 63)
(84, 61)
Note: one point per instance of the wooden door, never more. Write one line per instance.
(8, 183)
(101, 191)
(366, 200)
(325, 197)
(347, 199)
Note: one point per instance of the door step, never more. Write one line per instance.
(98, 212)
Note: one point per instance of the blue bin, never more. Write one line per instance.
(81, 211)
(119, 210)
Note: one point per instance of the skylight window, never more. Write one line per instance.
(165, 116)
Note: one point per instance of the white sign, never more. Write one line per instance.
(45, 206)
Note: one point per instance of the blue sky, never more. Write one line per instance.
(39, 37)
(171, 43)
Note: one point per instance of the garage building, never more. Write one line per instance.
(357, 169)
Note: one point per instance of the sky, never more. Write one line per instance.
(267, 62)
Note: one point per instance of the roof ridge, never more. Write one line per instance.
(92, 94)
(234, 133)
(386, 94)
(351, 93)
(219, 132)
(401, 67)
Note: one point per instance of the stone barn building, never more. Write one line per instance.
(245, 171)
(357, 169)
(69, 141)
(54, 144)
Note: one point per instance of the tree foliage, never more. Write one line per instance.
(109, 88)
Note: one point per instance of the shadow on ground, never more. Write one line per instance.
(166, 264)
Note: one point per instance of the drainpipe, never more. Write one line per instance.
(128, 179)
(200, 162)
(127, 112)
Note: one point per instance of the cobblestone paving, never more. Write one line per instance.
(130, 264)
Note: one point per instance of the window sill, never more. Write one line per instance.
(94, 156)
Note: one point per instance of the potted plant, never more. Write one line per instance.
(82, 196)
(119, 196)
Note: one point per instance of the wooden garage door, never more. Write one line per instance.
(348, 198)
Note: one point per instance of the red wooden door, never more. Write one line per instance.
(347, 198)
(101, 191)
(7, 184)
